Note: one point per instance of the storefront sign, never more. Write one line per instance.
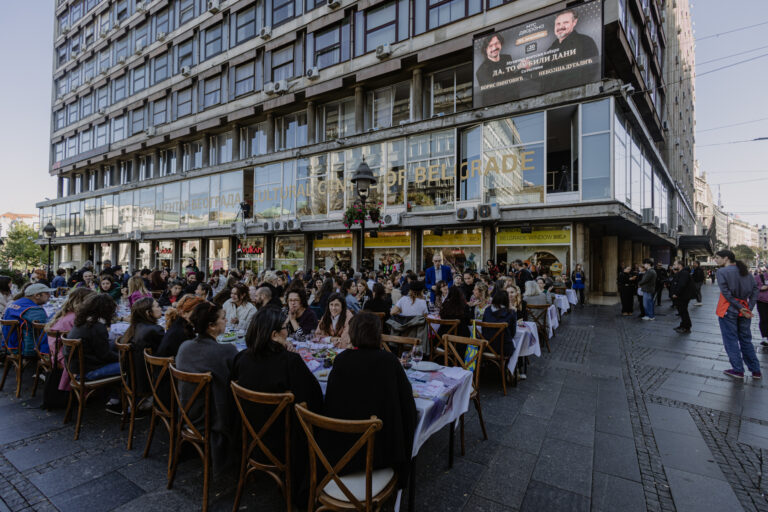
(453, 239)
(336, 243)
(552, 53)
(543, 237)
(250, 249)
(388, 241)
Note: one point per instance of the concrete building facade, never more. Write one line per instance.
(742, 233)
(168, 116)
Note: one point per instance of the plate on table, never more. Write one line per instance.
(426, 366)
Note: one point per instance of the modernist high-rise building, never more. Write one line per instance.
(497, 129)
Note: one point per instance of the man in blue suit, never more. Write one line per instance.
(437, 273)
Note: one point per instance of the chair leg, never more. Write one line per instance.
(37, 379)
(131, 425)
(68, 412)
(461, 430)
(124, 415)
(482, 422)
(19, 372)
(152, 422)
(206, 475)
(242, 479)
(176, 453)
(5, 370)
(80, 407)
(503, 369)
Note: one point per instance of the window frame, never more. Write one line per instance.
(208, 41)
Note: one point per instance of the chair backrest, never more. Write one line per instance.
(382, 316)
(402, 342)
(500, 332)
(56, 335)
(156, 294)
(75, 357)
(158, 370)
(472, 364)
(38, 330)
(367, 429)
(9, 328)
(281, 403)
(539, 315)
(433, 325)
(127, 371)
(61, 291)
(202, 386)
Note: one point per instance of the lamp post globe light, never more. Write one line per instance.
(50, 232)
(363, 179)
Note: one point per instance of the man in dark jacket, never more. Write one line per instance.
(682, 292)
(523, 275)
(662, 278)
(698, 280)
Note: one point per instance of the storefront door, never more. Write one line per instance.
(387, 250)
(333, 251)
(289, 253)
(461, 249)
(548, 248)
(219, 253)
(165, 254)
(250, 254)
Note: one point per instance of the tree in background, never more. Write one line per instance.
(19, 249)
(745, 254)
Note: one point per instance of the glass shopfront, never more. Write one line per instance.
(387, 250)
(124, 255)
(461, 249)
(250, 254)
(190, 249)
(334, 251)
(106, 252)
(144, 255)
(289, 253)
(164, 253)
(546, 247)
(219, 252)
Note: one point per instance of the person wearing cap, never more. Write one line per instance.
(26, 310)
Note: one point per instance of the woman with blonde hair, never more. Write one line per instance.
(63, 321)
(516, 301)
(480, 299)
(136, 290)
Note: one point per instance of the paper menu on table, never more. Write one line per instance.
(453, 372)
(431, 389)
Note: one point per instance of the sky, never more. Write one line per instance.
(731, 96)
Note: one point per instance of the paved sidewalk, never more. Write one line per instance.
(623, 415)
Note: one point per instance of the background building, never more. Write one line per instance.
(8, 219)
(168, 115)
(742, 233)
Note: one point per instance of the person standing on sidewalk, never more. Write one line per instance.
(762, 304)
(682, 292)
(627, 290)
(738, 295)
(662, 281)
(648, 286)
(698, 280)
(578, 278)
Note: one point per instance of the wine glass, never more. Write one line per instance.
(417, 355)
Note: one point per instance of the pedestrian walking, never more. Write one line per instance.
(627, 289)
(682, 292)
(762, 304)
(698, 280)
(738, 295)
(578, 278)
(648, 286)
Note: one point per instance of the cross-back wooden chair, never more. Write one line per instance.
(253, 445)
(402, 343)
(538, 314)
(163, 404)
(44, 364)
(365, 490)
(132, 397)
(14, 355)
(437, 349)
(74, 365)
(186, 430)
(497, 357)
(382, 316)
(454, 358)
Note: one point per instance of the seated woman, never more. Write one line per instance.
(172, 295)
(363, 293)
(179, 324)
(238, 309)
(441, 293)
(156, 281)
(412, 304)
(380, 303)
(203, 291)
(64, 321)
(371, 382)
(455, 308)
(204, 354)
(107, 285)
(516, 301)
(335, 321)
(500, 312)
(269, 365)
(136, 289)
(143, 333)
(301, 320)
(349, 291)
(534, 295)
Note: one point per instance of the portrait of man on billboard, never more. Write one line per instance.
(568, 39)
(496, 66)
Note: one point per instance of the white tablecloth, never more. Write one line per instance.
(571, 294)
(561, 301)
(117, 329)
(526, 342)
(553, 322)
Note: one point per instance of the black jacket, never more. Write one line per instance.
(501, 315)
(96, 350)
(165, 299)
(145, 336)
(682, 284)
(179, 332)
(698, 275)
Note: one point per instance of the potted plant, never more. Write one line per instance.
(355, 214)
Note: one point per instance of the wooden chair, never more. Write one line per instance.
(559, 290)
(366, 490)
(496, 357)
(14, 355)
(382, 316)
(156, 294)
(159, 376)
(402, 343)
(186, 431)
(62, 291)
(44, 360)
(437, 349)
(81, 388)
(279, 470)
(132, 398)
(453, 357)
(539, 315)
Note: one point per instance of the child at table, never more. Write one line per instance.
(64, 321)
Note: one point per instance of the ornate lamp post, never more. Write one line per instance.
(363, 179)
(50, 233)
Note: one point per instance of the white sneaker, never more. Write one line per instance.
(647, 318)
(523, 376)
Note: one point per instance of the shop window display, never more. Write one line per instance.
(546, 247)
(289, 253)
(461, 249)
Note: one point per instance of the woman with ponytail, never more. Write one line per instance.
(738, 295)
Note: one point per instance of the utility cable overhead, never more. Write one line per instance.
(756, 139)
(732, 125)
(738, 29)
(732, 55)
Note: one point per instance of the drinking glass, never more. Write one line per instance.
(405, 359)
(417, 355)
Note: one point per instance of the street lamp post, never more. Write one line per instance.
(363, 179)
(50, 232)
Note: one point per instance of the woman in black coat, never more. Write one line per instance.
(455, 307)
(500, 312)
(143, 333)
(369, 382)
(627, 290)
(179, 327)
(380, 303)
(269, 365)
(92, 319)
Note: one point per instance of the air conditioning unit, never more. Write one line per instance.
(383, 51)
(161, 36)
(488, 211)
(141, 7)
(185, 70)
(136, 235)
(647, 12)
(88, 80)
(292, 224)
(104, 32)
(121, 60)
(116, 25)
(647, 216)
(265, 32)
(313, 73)
(151, 131)
(465, 213)
(664, 228)
(64, 29)
(102, 111)
(268, 225)
(278, 87)
(656, 222)
(139, 48)
(391, 219)
(237, 228)
(278, 225)
(333, 3)
(269, 88)
(213, 6)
